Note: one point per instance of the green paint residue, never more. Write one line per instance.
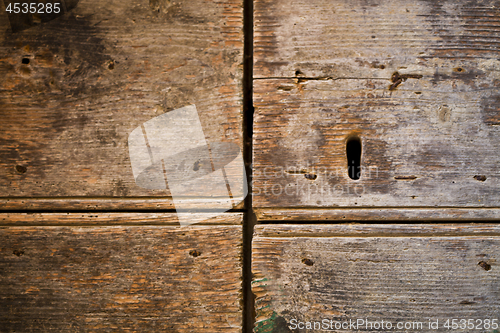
(260, 280)
(266, 325)
(260, 309)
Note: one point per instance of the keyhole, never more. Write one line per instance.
(353, 152)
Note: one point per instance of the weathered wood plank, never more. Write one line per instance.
(370, 39)
(97, 203)
(416, 81)
(126, 278)
(377, 230)
(394, 273)
(74, 88)
(378, 214)
(85, 203)
(109, 219)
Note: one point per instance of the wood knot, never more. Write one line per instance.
(21, 169)
(307, 262)
(484, 265)
(310, 176)
(194, 253)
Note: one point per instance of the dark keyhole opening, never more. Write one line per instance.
(353, 152)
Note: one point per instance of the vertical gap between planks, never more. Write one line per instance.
(249, 218)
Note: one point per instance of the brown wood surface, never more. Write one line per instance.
(116, 219)
(395, 273)
(98, 72)
(417, 81)
(144, 278)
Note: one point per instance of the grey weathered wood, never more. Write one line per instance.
(395, 273)
(378, 214)
(360, 39)
(98, 72)
(377, 230)
(326, 70)
(144, 278)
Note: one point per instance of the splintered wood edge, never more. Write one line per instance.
(376, 230)
(379, 214)
(115, 219)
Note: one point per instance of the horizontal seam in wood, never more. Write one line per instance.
(320, 78)
(376, 235)
(108, 225)
(262, 209)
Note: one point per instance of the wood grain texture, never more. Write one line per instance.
(114, 219)
(120, 278)
(100, 71)
(370, 38)
(417, 81)
(378, 214)
(97, 203)
(85, 203)
(395, 273)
